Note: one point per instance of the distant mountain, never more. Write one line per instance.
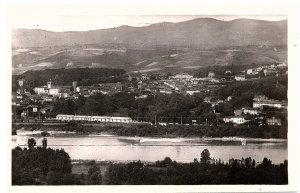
(202, 33)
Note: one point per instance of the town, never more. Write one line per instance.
(35, 103)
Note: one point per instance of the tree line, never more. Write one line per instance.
(204, 172)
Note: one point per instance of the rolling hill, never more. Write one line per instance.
(170, 47)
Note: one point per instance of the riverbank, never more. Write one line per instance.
(169, 131)
(39, 133)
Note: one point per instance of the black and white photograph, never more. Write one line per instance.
(148, 99)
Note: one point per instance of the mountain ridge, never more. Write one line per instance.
(197, 33)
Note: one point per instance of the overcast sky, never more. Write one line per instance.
(69, 21)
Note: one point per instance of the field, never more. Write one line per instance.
(142, 60)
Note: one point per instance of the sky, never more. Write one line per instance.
(69, 20)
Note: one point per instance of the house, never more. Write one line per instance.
(144, 77)
(165, 91)
(21, 82)
(54, 91)
(234, 119)
(251, 111)
(41, 90)
(47, 99)
(211, 74)
(274, 121)
(270, 72)
(182, 76)
(250, 72)
(260, 98)
(240, 78)
(141, 96)
(282, 65)
(191, 92)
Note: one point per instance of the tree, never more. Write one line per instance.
(94, 174)
(44, 143)
(205, 156)
(31, 143)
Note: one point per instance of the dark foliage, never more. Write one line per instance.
(168, 172)
(83, 76)
(41, 165)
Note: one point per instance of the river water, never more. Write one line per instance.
(117, 148)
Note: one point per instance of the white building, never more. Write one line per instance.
(250, 71)
(182, 76)
(41, 90)
(251, 111)
(240, 78)
(54, 91)
(269, 103)
(105, 119)
(21, 82)
(191, 92)
(236, 120)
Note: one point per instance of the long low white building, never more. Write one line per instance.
(105, 119)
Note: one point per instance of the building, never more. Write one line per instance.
(251, 111)
(54, 91)
(145, 77)
(211, 74)
(74, 85)
(240, 78)
(260, 98)
(250, 72)
(41, 90)
(105, 119)
(270, 72)
(282, 65)
(234, 119)
(269, 103)
(21, 82)
(192, 92)
(182, 76)
(274, 121)
(49, 84)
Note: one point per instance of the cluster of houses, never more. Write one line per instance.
(183, 83)
(145, 85)
(256, 113)
(267, 70)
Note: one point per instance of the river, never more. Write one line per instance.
(118, 148)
